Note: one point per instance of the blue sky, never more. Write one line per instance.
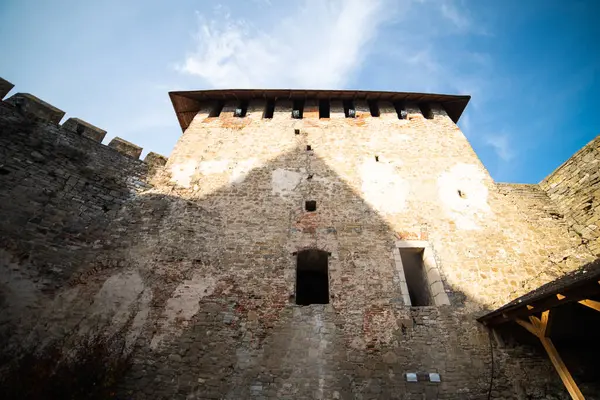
(532, 67)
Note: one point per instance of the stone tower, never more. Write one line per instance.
(297, 244)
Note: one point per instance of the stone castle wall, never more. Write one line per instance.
(60, 189)
(200, 264)
(575, 187)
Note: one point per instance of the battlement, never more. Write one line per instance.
(29, 104)
(36, 108)
(85, 129)
(314, 104)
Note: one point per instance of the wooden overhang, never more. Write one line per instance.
(533, 312)
(188, 103)
(581, 284)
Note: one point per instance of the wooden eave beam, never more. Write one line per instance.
(593, 304)
(574, 293)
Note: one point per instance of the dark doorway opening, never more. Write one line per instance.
(312, 277)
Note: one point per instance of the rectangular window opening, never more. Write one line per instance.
(401, 110)
(216, 109)
(298, 109)
(374, 108)
(269, 109)
(310, 205)
(312, 277)
(349, 110)
(324, 109)
(416, 277)
(426, 110)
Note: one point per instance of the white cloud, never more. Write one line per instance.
(457, 17)
(501, 145)
(318, 44)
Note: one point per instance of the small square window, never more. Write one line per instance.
(310, 205)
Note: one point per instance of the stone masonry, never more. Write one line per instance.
(197, 257)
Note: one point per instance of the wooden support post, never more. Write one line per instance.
(561, 368)
(539, 328)
(591, 304)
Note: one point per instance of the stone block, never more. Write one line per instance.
(84, 129)
(29, 104)
(155, 160)
(125, 147)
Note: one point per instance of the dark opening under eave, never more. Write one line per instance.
(188, 103)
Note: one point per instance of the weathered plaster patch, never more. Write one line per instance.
(213, 167)
(18, 292)
(182, 173)
(116, 298)
(183, 305)
(284, 181)
(241, 170)
(464, 195)
(383, 188)
(140, 318)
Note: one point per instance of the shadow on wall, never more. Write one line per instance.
(205, 284)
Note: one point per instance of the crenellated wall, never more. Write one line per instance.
(60, 190)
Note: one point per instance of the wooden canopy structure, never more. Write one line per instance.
(535, 310)
(187, 103)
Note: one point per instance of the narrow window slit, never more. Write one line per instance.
(324, 109)
(401, 110)
(376, 158)
(312, 277)
(269, 109)
(241, 109)
(374, 108)
(216, 110)
(298, 109)
(426, 110)
(349, 110)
